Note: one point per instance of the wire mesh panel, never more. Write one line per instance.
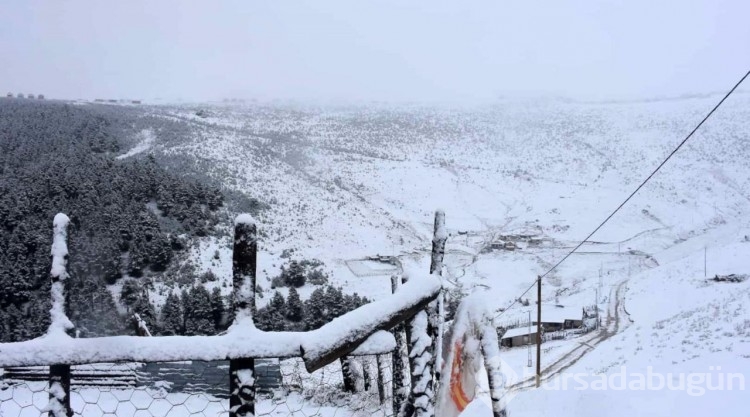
(153, 389)
(322, 393)
(198, 388)
(135, 402)
(190, 388)
(23, 398)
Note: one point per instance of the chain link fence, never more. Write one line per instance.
(323, 392)
(123, 390)
(196, 388)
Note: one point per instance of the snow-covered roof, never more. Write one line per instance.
(551, 313)
(518, 331)
(555, 314)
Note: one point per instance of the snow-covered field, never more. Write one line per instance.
(348, 183)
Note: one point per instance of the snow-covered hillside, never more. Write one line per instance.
(346, 183)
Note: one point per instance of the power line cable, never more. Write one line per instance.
(564, 258)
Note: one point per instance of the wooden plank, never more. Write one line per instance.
(400, 372)
(244, 264)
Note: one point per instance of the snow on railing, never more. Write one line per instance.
(60, 322)
(356, 331)
(359, 332)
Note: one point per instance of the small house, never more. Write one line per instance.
(519, 336)
(558, 317)
(135, 102)
(40, 97)
(9, 95)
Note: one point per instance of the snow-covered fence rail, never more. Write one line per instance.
(363, 331)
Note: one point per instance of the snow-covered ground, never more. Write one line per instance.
(146, 139)
(344, 184)
(686, 332)
(348, 183)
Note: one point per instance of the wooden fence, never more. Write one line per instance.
(363, 331)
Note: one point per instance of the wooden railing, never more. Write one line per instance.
(363, 331)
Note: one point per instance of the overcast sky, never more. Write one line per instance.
(376, 50)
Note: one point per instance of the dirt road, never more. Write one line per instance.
(617, 320)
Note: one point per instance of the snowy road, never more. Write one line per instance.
(616, 321)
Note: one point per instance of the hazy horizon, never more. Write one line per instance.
(386, 51)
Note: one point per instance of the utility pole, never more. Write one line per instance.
(528, 339)
(596, 306)
(705, 255)
(538, 331)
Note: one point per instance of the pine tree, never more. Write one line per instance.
(277, 302)
(334, 301)
(4, 327)
(217, 308)
(263, 319)
(131, 293)
(199, 320)
(15, 329)
(92, 308)
(294, 276)
(315, 310)
(230, 313)
(107, 202)
(147, 313)
(185, 301)
(171, 316)
(275, 312)
(37, 316)
(354, 301)
(293, 311)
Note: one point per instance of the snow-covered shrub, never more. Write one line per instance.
(317, 277)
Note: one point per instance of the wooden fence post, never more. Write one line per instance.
(421, 361)
(242, 387)
(400, 373)
(350, 385)
(366, 369)
(59, 375)
(59, 391)
(439, 238)
(491, 354)
(244, 264)
(437, 310)
(424, 335)
(244, 261)
(384, 389)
